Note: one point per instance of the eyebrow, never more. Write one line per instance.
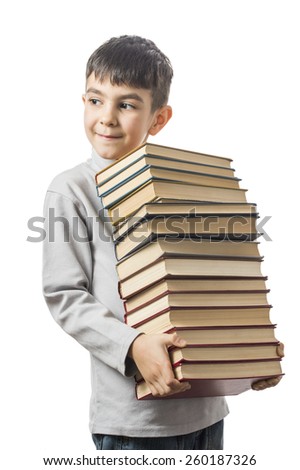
(127, 96)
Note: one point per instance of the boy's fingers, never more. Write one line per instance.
(156, 367)
(263, 384)
(174, 340)
(167, 383)
(170, 389)
(172, 393)
(179, 387)
(280, 350)
(156, 389)
(170, 383)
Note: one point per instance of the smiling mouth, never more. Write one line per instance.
(108, 137)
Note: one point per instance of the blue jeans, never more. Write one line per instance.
(210, 438)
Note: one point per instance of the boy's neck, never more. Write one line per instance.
(99, 161)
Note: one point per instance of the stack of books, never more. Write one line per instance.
(188, 261)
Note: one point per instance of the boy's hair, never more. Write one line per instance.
(136, 62)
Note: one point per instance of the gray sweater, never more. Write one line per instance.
(81, 290)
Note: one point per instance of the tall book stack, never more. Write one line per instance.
(188, 261)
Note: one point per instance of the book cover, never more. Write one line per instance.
(190, 284)
(163, 162)
(161, 151)
(198, 298)
(121, 186)
(220, 353)
(171, 317)
(166, 209)
(207, 388)
(233, 228)
(121, 207)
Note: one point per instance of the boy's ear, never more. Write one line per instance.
(83, 99)
(161, 117)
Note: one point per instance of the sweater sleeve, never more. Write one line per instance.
(67, 280)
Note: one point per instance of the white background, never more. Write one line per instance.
(236, 94)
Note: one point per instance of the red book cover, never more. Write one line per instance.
(211, 292)
(211, 388)
(169, 310)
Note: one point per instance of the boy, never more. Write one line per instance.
(127, 87)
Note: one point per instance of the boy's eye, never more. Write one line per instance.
(94, 101)
(127, 106)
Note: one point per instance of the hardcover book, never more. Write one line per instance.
(218, 379)
(161, 151)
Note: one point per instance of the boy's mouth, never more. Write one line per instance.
(108, 136)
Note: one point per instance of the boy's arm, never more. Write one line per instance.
(67, 275)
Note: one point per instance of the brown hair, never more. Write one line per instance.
(136, 62)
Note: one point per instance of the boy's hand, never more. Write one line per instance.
(263, 384)
(150, 354)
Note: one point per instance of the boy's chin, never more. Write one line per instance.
(107, 155)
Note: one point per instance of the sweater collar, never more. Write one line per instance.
(99, 162)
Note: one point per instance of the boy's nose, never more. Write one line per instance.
(108, 117)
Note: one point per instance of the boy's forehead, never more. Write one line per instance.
(104, 85)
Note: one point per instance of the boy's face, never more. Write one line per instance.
(119, 118)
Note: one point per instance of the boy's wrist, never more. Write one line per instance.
(131, 348)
